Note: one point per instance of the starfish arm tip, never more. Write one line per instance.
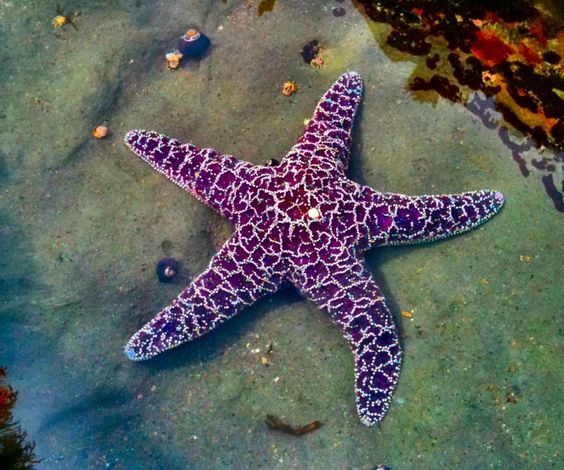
(131, 137)
(369, 420)
(371, 414)
(130, 353)
(493, 201)
(133, 141)
(355, 80)
(499, 196)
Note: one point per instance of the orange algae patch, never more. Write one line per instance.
(532, 119)
(489, 48)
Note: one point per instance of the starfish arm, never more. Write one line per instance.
(328, 134)
(397, 219)
(238, 275)
(343, 287)
(219, 181)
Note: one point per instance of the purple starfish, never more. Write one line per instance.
(302, 222)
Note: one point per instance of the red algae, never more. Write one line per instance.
(538, 30)
(15, 451)
(489, 48)
(529, 54)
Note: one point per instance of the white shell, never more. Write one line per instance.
(314, 213)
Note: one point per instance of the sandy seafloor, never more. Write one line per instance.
(83, 223)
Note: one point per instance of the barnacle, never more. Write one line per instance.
(59, 21)
(289, 88)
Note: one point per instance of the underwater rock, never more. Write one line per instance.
(507, 50)
(551, 57)
(438, 83)
(310, 51)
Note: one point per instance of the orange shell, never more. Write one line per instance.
(100, 132)
(289, 88)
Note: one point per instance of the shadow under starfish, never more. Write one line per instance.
(302, 222)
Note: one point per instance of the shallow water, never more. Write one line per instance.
(83, 223)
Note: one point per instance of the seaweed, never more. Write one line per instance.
(15, 450)
(273, 422)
